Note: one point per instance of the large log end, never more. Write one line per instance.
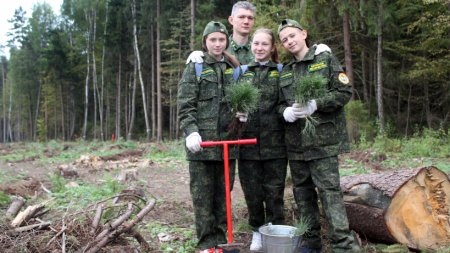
(418, 215)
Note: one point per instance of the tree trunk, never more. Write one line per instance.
(133, 102)
(408, 110)
(153, 86)
(101, 94)
(364, 71)
(409, 206)
(118, 96)
(426, 102)
(158, 73)
(94, 71)
(348, 51)
(379, 68)
(86, 87)
(141, 80)
(36, 112)
(192, 41)
(4, 103)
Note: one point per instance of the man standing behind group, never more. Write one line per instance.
(242, 19)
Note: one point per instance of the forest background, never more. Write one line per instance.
(111, 67)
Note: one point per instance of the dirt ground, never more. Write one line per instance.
(165, 180)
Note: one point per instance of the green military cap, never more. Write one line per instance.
(214, 26)
(289, 23)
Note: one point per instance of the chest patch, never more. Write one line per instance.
(317, 66)
(207, 72)
(286, 75)
(228, 71)
(274, 73)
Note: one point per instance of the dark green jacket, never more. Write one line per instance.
(203, 107)
(330, 137)
(242, 52)
(265, 123)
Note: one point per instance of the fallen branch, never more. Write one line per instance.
(29, 227)
(26, 215)
(97, 217)
(116, 223)
(16, 204)
(63, 229)
(127, 227)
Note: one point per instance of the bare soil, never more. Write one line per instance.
(165, 180)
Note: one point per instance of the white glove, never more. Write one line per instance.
(193, 142)
(242, 116)
(322, 48)
(195, 56)
(289, 115)
(306, 110)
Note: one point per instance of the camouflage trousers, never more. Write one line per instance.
(263, 186)
(207, 185)
(323, 174)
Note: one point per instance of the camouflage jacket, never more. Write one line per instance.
(203, 107)
(265, 123)
(330, 136)
(243, 53)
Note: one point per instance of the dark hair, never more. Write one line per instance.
(274, 55)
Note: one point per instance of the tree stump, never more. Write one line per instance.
(408, 206)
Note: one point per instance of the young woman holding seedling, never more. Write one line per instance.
(205, 113)
(313, 155)
(263, 168)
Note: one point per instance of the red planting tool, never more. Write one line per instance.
(227, 177)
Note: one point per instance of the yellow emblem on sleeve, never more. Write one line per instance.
(343, 78)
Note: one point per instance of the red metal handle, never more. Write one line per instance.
(232, 142)
(227, 175)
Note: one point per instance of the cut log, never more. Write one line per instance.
(409, 206)
(25, 215)
(16, 204)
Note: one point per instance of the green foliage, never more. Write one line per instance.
(83, 195)
(243, 96)
(187, 242)
(306, 88)
(303, 225)
(4, 199)
(359, 125)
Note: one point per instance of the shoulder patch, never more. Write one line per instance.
(274, 73)
(343, 78)
(286, 75)
(317, 66)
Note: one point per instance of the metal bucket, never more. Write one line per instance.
(279, 239)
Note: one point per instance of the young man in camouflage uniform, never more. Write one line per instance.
(313, 158)
(242, 19)
(204, 113)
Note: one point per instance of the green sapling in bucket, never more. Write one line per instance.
(243, 97)
(302, 226)
(307, 89)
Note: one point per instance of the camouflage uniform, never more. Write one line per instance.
(263, 167)
(243, 53)
(313, 158)
(204, 109)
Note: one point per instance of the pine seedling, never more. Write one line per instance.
(302, 226)
(310, 87)
(243, 97)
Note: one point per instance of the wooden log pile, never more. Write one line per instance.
(25, 225)
(408, 206)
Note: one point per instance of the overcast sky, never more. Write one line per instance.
(7, 8)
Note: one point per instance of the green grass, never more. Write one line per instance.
(185, 243)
